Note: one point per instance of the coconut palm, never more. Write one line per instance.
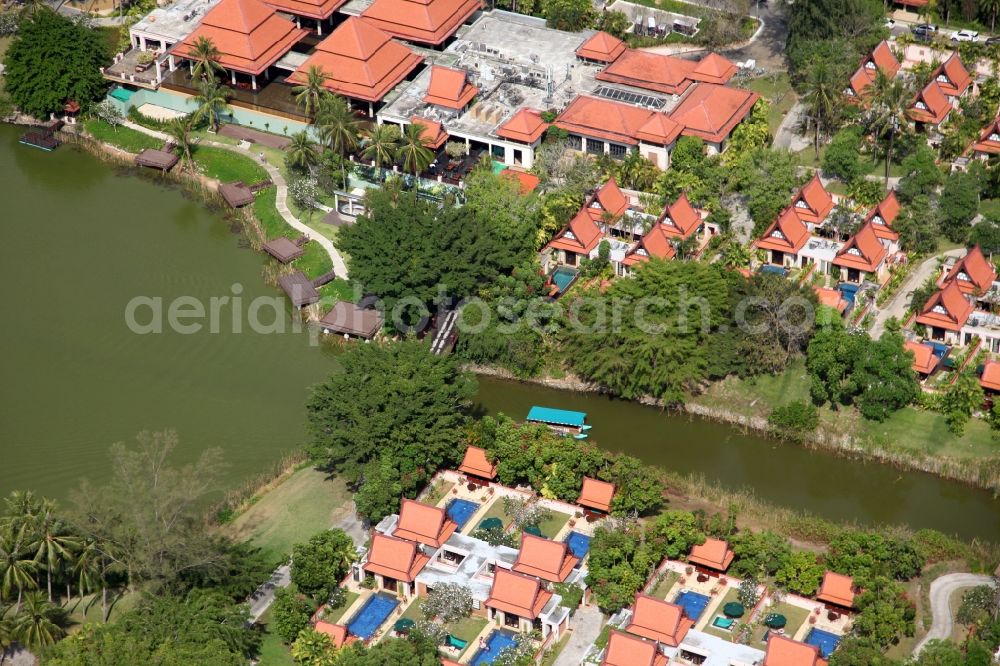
(301, 153)
(309, 95)
(380, 144)
(8, 632)
(206, 59)
(179, 130)
(413, 151)
(337, 124)
(17, 563)
(885, 118)
(36, 622)
(86, 568)
(822, 100)
(212, 100)
(55, 544)
(991, 7)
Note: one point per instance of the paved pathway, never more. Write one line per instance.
(587, 624)
(897, 305)
(281, 199)
(941, 590)
(788, 136)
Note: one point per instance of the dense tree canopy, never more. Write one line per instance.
(319, 564)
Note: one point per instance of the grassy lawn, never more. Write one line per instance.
(778, 91)
(272, 651)
(465, 629)
(663, 587)
(795, 615)
(758, 396)
(553, 652)
(304, 504)
(496, 511)
(314, 262)
(990, 207)
(338, 290)
(926, 432)
(440, 487)
(335, 615)
(732, 595)
(87, 609)
(270, 219)
(227, 166)
(550, 526)
(123, 137)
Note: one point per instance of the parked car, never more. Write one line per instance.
(965, 36)
(993, 41)
(924, 31)
(890, 23)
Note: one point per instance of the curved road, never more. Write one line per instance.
(941, 590)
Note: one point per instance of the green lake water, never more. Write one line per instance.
(81, 240)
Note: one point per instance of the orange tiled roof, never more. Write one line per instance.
(714, 68)
(680, 219)
(609, 120)
(783, 651)
(517, 594)
(596, 494)
(601, 47)
(813, 203)
(528, 181)
(423, 21)
(711, 112)
(924, 360)
(396, 558)
(249, 35)
(883, 215)
(989, 138)
(858, 84)
(948, 308)
(315, 9)
(714, 554)
(336, 632)
(525, 126)
(649, 71)
(653, 244)
(544, 558)
(423, 523)
(952, 76)
(973, 272)
(863, 251)
(433, 131)
(837, 588)
(930, 105)
(881, 58)
(990, 379)
(832, 298)
(610, 197)
(625, 650)
(476, 463)
(360, 61)
(581, 235)
(449, 88)
(786, 234)
(661, 621)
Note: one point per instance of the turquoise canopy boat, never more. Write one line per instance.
(563, 421)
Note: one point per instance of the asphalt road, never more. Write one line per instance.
(941, 590)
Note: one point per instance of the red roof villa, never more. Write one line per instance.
(973, 273)
(596, 495)
(989, 141)
(654, 244)
(714, 554)
(602, 47)
(546, 559)
(423, 523)
(659, 620)
(813, 203)
(393, 561)
(863, 257)
(945, 313)
(925, 361)
(475, 463)
(880, 59)
(626, 650)
(930, 107)
(837, 589)
(429, 22)
(516, 600)
(784, 239)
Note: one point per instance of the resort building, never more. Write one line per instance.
(989, 141)
(601, 48)
(832, 298)
(654, 244)
(659, 620)
(427, 22)
(522, 603)
(425, 524)
(543, 558)
(784, 240)
(925, 361)
(953, 78)
(882, 217)
(626, 650)
(813, 203)
(581, 237)
(863, 257)
(596, 495)
(337, 633)
(712, 557)
(476, 464)
(395, 564)
(880, 59)
(990, 379)
(838, 590)
(973, 273)
(711, 112)
(962, 309)
(930, 108)
(782, 651)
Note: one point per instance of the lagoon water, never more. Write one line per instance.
(81, 240)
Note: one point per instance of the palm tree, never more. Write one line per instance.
(991, 7)
(885, 116)
(380, 144)
(212, 101)
(206, 57)
(86, 568)
(8, 632)
(309, 95)
(55, 544)
(17, 565)
(822, 99)
(179, 130)
(413, 151)
(338, 127)
(301, 154)
(35, 624)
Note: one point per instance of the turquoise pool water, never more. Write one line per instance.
(371, 616)
(495, 644)
(563, 277)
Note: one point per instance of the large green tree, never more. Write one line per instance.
(959, 204)
(319, 564)
(53, 59)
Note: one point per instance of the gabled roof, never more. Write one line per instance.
(528, 182)
(973, 272)
(837, 588)
(862, 251)
(786, 234)
(930, 105)
(649, 71)
(601, 47)
(622, 123)
(813, 203)
(433, 131)
(544, 558)
(679, 218)
(858, 83)
(610, 198)
(423, 523)
(654, 243)
(948, 308)
(625, 650)
(423, 21)
(714, 554)
(476, 463)
(783, 651)
(336, 632)
(714, 68)
(883, 215)
(658, 620)
(990, 379)
(517, 594)
(881, 58)
(711, 112)
(360, 61)
(596, 494)
(315, 9)
(952, 76)
(831, 298)
(525, 126)
(924, 358)
(581, 235)
(989, 138)
(449, 88)
(396, 558)
(249, 35)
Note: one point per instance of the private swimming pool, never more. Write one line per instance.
(495, 644)
(371, 616)
(824, 640)
(693, 603)
(563, 277)
(579, 544)
(461, 510)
